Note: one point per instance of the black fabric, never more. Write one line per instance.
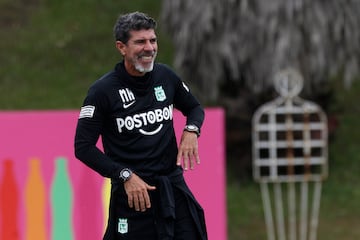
(175, 214)
(134, 117)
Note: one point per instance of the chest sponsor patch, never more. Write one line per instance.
(137, 121)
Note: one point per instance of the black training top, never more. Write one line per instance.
(134, 116)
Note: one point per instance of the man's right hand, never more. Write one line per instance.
(137, 193)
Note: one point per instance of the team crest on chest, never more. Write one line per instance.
(160, 93)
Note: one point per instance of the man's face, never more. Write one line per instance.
(139, 52)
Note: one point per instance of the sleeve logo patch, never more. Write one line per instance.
(87, 111)
(186, 87)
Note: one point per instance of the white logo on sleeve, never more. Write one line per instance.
(127, 97)
(87, 111)
(186, 87)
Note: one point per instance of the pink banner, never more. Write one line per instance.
(36, 145)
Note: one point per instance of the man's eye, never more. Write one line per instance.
(139, 42)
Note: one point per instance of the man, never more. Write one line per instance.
(131, 108)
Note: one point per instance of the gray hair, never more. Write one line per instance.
(134, 21)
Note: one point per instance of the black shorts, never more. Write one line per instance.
(127, 224)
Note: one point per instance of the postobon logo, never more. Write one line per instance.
(137, 121)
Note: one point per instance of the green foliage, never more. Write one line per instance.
(50, 57)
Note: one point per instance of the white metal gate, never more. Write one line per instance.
(290, 159)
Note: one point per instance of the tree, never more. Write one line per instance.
(246, 42)
(229, 51)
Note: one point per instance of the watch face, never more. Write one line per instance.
(126, 174)
(191, 127)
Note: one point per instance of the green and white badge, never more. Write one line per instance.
(123, 226)
(159, 93)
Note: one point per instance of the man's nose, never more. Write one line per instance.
(149, 46)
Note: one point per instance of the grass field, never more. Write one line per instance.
(52, 50)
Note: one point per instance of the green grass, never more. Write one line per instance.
(244, 208)
(51, 51)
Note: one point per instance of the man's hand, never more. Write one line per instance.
(137, 192)
(188, 150)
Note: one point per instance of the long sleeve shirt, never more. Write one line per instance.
(134, 117)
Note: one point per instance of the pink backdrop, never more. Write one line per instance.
(48, 135)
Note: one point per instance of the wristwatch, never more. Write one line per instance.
(192, 128)
(125, 174)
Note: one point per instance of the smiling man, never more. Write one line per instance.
(131, 108)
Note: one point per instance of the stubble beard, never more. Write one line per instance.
(140, 68)
(144, 69)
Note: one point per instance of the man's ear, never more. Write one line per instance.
(121, 47)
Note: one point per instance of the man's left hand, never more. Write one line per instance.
(188, 153)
